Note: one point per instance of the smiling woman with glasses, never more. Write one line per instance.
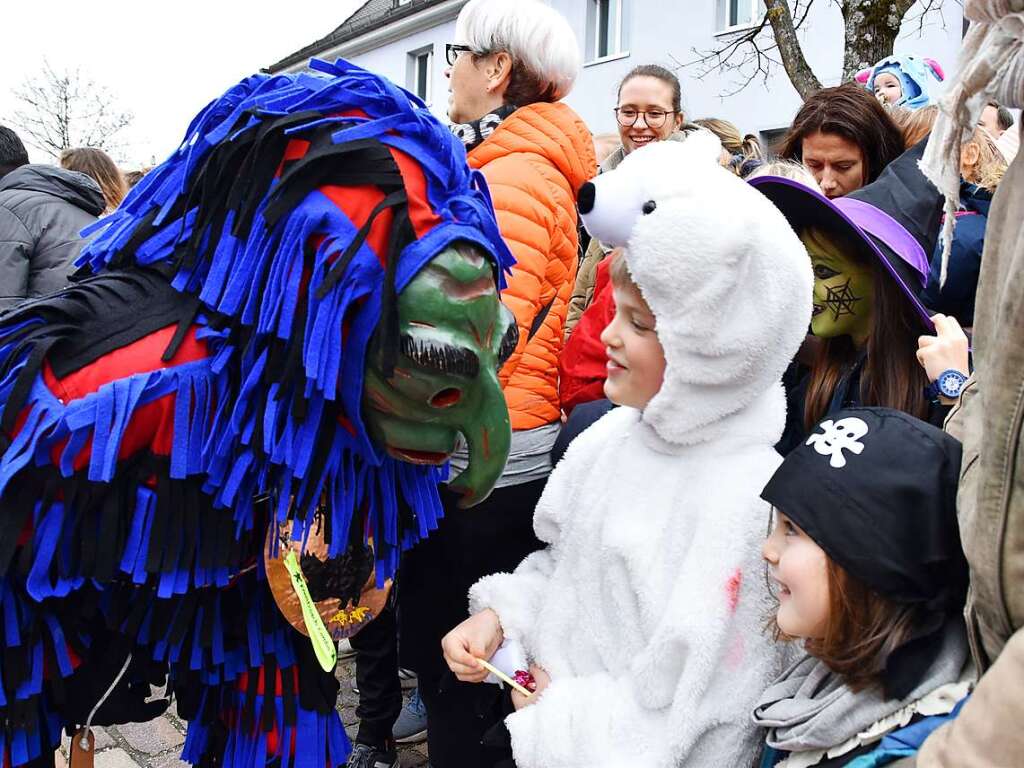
(655, 118)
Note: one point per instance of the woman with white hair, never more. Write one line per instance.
(511, 63)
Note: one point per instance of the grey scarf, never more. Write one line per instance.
(810, 708)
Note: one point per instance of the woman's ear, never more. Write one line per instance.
(680, 119)
(499, 72)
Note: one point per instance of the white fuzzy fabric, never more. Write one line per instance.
(647, 606)
(629, 608)
(725, 275)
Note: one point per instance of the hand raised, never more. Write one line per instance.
(946, 350)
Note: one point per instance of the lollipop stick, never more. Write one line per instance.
(505, 678)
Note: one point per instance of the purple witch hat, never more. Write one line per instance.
(896, 218)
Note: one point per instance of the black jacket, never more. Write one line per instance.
(956, 297)
(42, 211)
(847, 395)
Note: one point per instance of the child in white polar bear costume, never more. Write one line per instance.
(643, 616)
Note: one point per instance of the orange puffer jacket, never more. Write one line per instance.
(534, 162)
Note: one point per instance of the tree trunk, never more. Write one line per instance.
(800, 73)
(871, 27)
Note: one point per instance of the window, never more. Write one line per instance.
(738, 14)
(418, 72)
(606, 29)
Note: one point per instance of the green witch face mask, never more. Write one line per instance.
(454, 336)
(843, 289)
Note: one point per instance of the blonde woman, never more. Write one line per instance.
(737, 149)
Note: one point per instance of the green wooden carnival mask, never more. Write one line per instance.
(454, 335)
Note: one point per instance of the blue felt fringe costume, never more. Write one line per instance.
(263, 295)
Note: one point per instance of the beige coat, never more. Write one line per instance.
(990, 502)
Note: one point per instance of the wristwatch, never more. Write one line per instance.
(948, 384)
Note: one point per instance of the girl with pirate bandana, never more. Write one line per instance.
(866, 566)
(870, 254)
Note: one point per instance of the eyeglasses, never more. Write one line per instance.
(452, 51)
(654, 118)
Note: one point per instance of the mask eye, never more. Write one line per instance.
(508, 344)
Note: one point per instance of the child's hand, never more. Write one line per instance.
(478, 637)
(541, 678)
(946, 350)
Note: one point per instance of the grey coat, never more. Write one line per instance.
(42, 211)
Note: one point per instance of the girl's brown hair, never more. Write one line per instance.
(891, 376)
(862, 630)
(849, 111)
(97, 164)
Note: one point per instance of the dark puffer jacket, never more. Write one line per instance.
(956, 297)
(42, 210)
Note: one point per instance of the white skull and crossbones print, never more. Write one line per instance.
(837, 436)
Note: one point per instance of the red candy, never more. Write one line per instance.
(525, 679)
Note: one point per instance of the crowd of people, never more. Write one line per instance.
(716, 338)
(44, 208)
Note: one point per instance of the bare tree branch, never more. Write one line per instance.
(63, 110)
(928, 9)
(800, 73)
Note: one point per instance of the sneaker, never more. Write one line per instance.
(411, 725)
(407, 678)
(368, 756)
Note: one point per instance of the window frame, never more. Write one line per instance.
(757, 11)
(616, 31)
(414, 69)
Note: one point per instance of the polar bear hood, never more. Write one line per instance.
(727, 279)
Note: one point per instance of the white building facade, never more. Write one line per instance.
(404, 40)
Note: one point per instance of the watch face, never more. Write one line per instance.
(951, 382)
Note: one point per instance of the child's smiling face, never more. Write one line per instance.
(799, 568)
(636, 360)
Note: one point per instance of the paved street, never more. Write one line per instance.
(157, 744)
